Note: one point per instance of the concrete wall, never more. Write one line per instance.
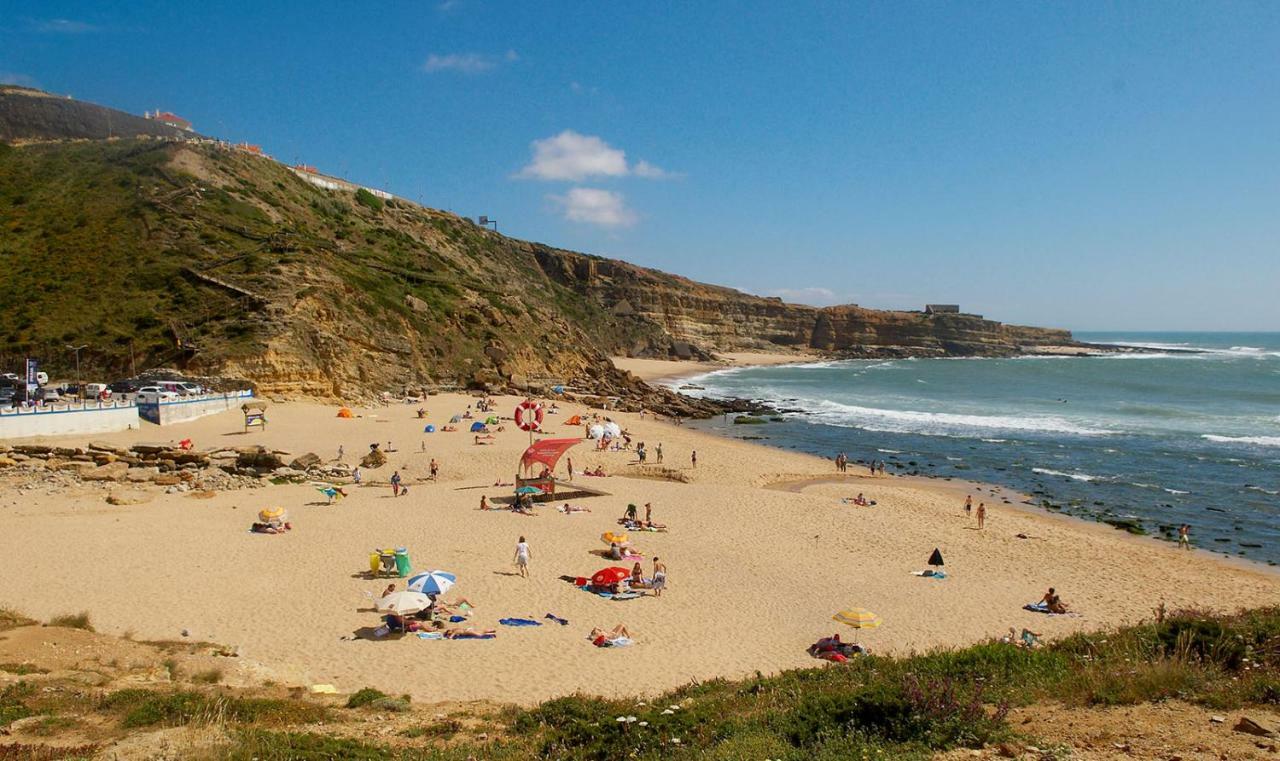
(192, 407)
(90, 417)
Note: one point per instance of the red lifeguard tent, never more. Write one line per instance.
(547, 452)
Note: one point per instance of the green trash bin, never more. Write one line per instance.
(402, 562)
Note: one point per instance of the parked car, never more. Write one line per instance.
(125, 387)
(48, 395)
(191, 389)
(42, 378)
(155, 394)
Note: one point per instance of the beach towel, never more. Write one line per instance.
(557, 619)
(930, 574)
(519, 622)
(430, 635)
(475, 636)
(627, 596)
(457, 619)
(1037, 607)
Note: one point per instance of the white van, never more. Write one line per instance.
(95, 390)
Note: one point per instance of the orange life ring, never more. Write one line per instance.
(529, 415)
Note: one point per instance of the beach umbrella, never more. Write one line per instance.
(857, 618)
(491, 420)
(936, 557)
(270, 514)
(477, 426)
(609, 576)
(596, 431)
(404, 603)
(609, 537)
(528, 490)
(613, 429)
(455, 419)
(429, 429)
(432, 582)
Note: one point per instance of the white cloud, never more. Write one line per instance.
(644, 169)
(466, 63)
(64, 26)
(573, 156)
(605, 208)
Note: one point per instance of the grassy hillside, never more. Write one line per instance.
(993, 695)
(216, 261)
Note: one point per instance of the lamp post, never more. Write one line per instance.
(79, 385)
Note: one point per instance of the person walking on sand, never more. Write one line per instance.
(355, 475)
(341, 452)
(693, 458)
(570, 466)
(435, 469)
(982, 514)
(968, 506)
(648, 513)
(522, 558)
(657, 451)
(659, 577)
(1184, 536)
(395, 484)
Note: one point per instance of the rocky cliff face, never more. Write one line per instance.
(671, 315)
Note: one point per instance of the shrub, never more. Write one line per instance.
(364, 697)
(73, 621)
(365, 198)
(144, 708)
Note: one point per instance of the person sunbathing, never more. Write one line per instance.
(1053, 602)
(574, 509)
(449, 429)
(468, 633)
(619, 636)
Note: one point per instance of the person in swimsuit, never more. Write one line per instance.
(1053, 602)
(659, 577)
(617, 637)
(982, 514)
(1184, 536)
(968, 506)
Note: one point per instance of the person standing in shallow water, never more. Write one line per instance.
(1184, 536)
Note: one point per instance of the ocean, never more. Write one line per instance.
(1144, 441)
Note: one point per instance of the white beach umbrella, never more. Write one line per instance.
(404, 603)
(613, 429)
(596, 431)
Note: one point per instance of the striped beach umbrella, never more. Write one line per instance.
(432, 582)
(857, 618)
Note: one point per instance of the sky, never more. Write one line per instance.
(1096, 165)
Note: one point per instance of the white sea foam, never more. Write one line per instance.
(995, 441)
(1177, 491)
(1262, 441)
(889, 451)
(1076, 476)
(941, 423)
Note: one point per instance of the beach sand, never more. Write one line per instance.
(755, 572)
(656, 370)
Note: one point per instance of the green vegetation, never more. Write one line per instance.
(73, 621)
(145, 708)
(749, 420)
(905, 708)
(212, 676)
(369, 200)
(10, 619)
(156, 254)
(376, 699)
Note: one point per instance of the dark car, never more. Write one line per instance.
(125, 387)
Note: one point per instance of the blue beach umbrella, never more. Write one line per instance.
(432, 582)
(528, 490)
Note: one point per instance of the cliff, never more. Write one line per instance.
(682, 317)
(198, 256)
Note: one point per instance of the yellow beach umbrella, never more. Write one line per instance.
(268, 514)
(609, 537)
(858, 618)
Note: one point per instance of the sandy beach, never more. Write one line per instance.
(657, 370)
(755, 572)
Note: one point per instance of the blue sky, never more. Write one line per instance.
(1088, 165)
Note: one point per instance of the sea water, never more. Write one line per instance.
(1185, 431)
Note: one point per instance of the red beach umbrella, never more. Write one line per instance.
(608, 576)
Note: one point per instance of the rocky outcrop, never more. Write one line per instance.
(674, 316)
